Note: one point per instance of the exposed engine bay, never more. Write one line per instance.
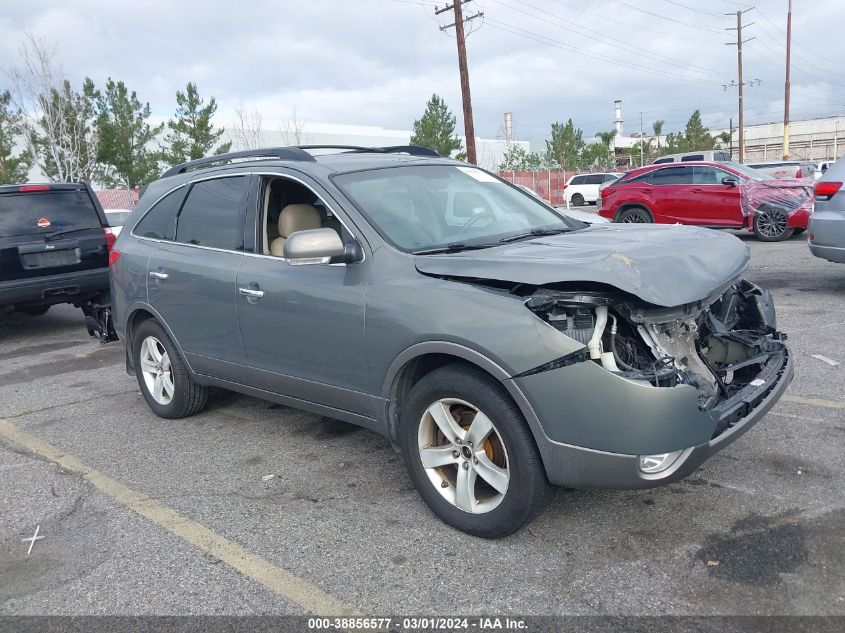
(719, 346)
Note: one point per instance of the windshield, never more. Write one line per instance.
(752, 173)
(425, 207)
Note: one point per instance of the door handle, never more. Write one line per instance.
(249, 292)
(646, 190)
(696, 190)
(158, 275)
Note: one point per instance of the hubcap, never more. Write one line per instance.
(156, 370)
(771, 224)
(463, 455)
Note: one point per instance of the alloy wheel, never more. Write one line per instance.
(771, 224)
(635, 217)
(463, 455)
(156, 370)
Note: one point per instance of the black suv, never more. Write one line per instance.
(54, 247)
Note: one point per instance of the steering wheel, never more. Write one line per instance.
(474, 219)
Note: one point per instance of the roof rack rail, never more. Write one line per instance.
(282, 153)
(413, 150)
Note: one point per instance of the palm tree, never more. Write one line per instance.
(606, 139)
(724, 138)
(657, 126)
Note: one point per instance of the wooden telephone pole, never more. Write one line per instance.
(469, 128)
(786, 85)
(740, 84)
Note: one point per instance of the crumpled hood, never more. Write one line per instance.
(665, 265)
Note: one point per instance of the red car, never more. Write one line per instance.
(716, 195)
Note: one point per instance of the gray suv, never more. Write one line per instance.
(502, 345)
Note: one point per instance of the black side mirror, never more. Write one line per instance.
(730, 182)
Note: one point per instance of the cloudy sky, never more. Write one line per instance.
(375, 62)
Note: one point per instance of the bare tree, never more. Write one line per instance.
(246, 132)
(59, 122)
(291, 129)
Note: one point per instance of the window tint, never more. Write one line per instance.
(721, 156)
(213, 214)
(692, 157)
(660, 161)
(21, 213)
(594, 179)
(577, 180)
(160, 222)
(610, 177)
(642, 178)
(672, 176)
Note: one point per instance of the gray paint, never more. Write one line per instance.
(333, 339)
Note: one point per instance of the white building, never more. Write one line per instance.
(809, 139)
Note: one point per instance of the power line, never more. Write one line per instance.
(696, 9)
(568, 47)
(668, 19)
(606, 39)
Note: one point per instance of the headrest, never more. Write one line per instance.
(298, 217)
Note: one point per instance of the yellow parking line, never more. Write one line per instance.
(815, 402)
(280, 581)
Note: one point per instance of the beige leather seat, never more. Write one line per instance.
(293, 218)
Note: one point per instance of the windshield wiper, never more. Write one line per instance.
(454, 247)
(536, 233)
(60, 233)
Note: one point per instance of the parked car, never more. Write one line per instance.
(54, 246)
(116, 218)
(786, 168)
(583, 216)
(710, 155)
(518, 350)
(715, 195)
(822, 167)
(584, 188)
(827, 225)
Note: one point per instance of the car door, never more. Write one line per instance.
(712, 202)
(672, 194)
(191, 279)
(303, 325)
(591, 186)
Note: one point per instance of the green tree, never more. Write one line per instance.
(565, 146)
(657, 126)
(518, 158)
(436, 128)
(607, 160)
(13, 168)
(192, 134)
(123, 155)
(64, 136)
(694, 137)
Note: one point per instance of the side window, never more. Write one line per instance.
(672, 176)
(578, 180)
(594, 179)
(643, 178)
(703, 175)
(610, 177)
(213, 214)
(692, 157)
(160, 221)
(660, 161)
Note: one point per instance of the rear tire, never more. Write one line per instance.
(163, 375)
(489, 442)
(634, 215)
(577, 200)
(770, 224)
(34, 311)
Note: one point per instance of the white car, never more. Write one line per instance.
(822, 167)
(584, 188)
(583, 216)
(116, 218)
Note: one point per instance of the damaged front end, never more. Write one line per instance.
(726, 347)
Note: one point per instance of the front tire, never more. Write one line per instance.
(770, 224)
(470, 453)
(163, 375)
(577, 200)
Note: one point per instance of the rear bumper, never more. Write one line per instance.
(61, 288)
(827, 236)
(579, 467)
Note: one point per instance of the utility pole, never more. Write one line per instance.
(731, 136)
(786, 85)
(642, 139)
(469, 128)
(739, 43)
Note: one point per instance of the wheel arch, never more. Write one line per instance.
(423, 358)
(625, 206)
(137, 314)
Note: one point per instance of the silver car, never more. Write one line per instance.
(827, 224)
(503, 347)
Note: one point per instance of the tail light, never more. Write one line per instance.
(826, 190)
(111, 238)
(798, 173)
(114, 255)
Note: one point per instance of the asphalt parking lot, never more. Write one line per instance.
(256, 508)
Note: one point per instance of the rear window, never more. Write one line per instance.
(54, 211)
(721, 156)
